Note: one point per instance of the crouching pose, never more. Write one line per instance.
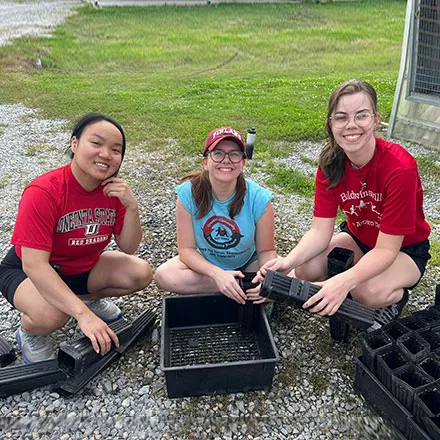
(377, 186)
(225, 224)
(57, 267)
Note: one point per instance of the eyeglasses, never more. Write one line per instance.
(361, 119)
(219, 155)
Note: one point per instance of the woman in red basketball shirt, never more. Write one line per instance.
(57, 268)
(377, 186)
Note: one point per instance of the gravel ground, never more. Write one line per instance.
(312, 395)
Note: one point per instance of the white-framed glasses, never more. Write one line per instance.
(219, 156)
(362, 119)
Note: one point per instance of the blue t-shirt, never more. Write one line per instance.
(225, 242)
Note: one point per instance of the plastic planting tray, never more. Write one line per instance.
(387, 406)
(403, 384)
(206, 350)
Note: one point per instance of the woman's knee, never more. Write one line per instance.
(142, 275)
(162, 276)
(44, 321)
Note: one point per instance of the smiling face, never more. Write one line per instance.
(97, 154)
(224, 171)
(358, 142)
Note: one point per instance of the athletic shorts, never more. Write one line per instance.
(12, 275)
(418, 252)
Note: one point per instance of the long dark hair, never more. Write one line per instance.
(202, 193)
(92, 118)
(332, 156)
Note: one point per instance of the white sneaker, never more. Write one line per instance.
(34, 348)
(107, 310)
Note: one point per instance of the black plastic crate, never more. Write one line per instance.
(381, 400)
(388, 360)
(395, 329)
(386, 405)
(406, 381)
(413, 346)
(427, 403)
(205, 350)
(372, 343)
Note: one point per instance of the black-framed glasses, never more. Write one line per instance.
(361, 119)
(219, 156)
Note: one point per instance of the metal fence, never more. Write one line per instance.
(425, 64)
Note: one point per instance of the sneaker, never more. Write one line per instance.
(107, 310)
(385, 315)
(34, 348)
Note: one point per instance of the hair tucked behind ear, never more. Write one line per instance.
(202, 193)
(332, 156)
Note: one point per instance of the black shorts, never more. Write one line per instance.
(418, 252)
(12, 275)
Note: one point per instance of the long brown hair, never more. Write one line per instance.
(202, 193)
(332, 156)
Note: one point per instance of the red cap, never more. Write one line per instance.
(220, 134)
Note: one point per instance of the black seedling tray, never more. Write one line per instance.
(206, 351)
(405, 388)
(386, 405)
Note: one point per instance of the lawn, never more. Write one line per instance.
(176, 72)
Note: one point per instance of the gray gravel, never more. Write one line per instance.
(312, 396)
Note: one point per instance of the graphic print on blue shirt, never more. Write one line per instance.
(221, 232)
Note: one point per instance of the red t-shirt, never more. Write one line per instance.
(56, 214)
(392, 201)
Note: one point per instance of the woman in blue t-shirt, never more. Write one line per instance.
(225, 224)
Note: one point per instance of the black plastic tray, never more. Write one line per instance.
(205, 350)
(386, 405)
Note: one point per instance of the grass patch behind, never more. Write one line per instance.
(292, 181)
(177, 72)
(174, 73)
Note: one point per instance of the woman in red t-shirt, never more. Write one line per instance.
(58, 267)
(377, 186)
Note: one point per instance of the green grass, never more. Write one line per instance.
(176, 72)
(292, 181)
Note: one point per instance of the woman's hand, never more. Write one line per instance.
(328, 299)
(115, 187)
(254, 295)
(227, 284)
(279, 264)
(99, 333)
